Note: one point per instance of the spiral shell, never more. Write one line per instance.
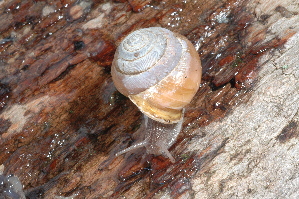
(160, 71)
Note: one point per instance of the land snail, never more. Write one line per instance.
(160, 71)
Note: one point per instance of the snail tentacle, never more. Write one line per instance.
(133, 147)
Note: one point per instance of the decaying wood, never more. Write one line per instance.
(62, 120)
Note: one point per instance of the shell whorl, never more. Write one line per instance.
(144, 58)
(140, 51)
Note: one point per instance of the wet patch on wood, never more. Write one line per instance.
(288, 132)
(55, 63)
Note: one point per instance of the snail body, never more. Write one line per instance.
(160, 71)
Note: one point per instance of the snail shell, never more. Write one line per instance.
(160, 71)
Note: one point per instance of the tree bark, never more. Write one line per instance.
(62, 120)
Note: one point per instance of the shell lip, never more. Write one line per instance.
(166, 116)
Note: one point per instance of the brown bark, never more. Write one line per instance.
(62, 120)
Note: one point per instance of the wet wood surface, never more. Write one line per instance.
(62, 120)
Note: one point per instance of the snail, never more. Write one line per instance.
(160, 72)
